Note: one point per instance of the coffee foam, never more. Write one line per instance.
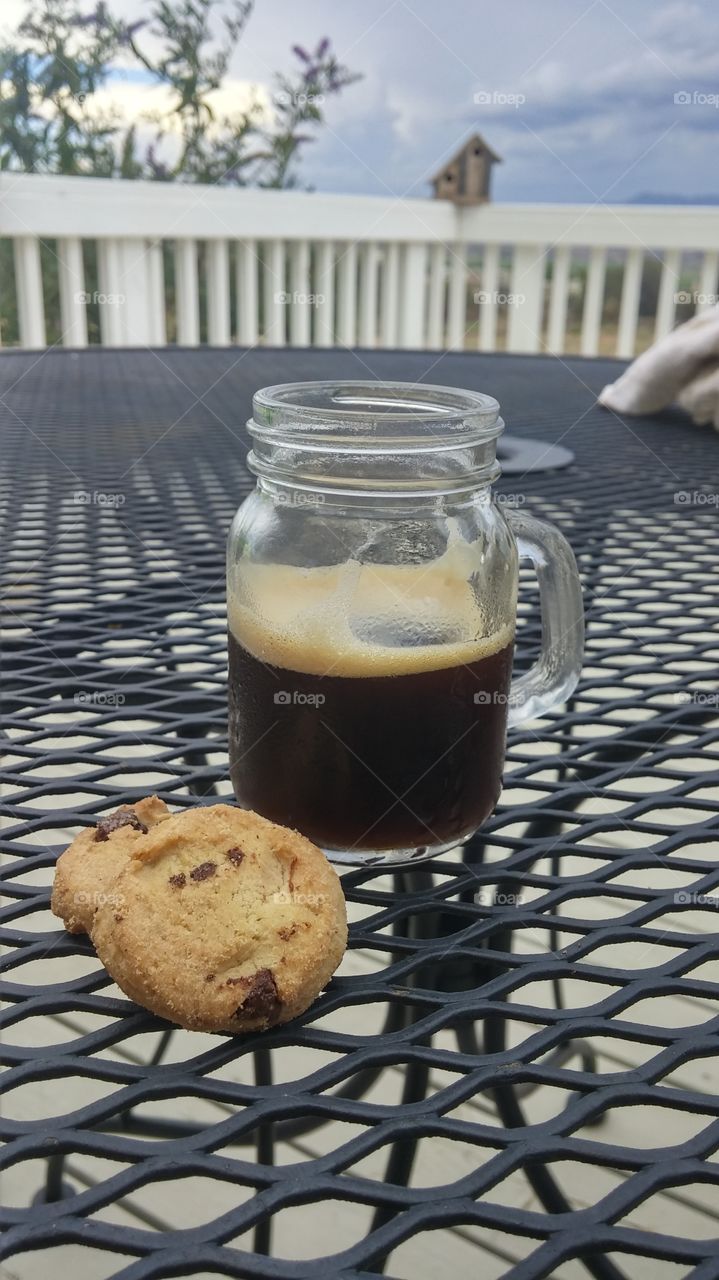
(332, 620)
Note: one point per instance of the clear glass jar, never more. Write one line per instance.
(372, 597)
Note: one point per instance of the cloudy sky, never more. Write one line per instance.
(578, 98)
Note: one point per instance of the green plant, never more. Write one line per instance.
(60, 56)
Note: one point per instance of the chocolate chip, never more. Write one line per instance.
(262, 999)
(236, 856)
(120, 818)
(210, 977)
(286, 934)
(119, 919)
(178, 881)
(204, 871)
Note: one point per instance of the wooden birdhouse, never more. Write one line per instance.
(465, 179)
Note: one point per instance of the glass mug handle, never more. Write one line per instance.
(555, 674)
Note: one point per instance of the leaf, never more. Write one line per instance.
(63, 51)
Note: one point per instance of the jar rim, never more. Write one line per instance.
(374, 409)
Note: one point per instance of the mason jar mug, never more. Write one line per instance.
(372, 603)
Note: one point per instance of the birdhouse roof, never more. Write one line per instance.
(471, 144)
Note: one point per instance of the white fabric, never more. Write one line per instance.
(683, 367)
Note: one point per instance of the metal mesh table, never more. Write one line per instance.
(539, 975)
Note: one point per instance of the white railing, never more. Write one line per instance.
(190, 264)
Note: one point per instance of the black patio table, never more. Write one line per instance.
(594, 880)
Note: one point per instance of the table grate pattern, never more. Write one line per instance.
(584, 913)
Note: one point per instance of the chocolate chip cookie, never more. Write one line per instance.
(223, 921)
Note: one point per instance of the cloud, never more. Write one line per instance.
(597, 104)
(137, 100)
(599, 80)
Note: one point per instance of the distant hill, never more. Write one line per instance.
(651, 198)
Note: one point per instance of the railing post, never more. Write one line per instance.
(457, 297)
(28, 283)
(558, 298)
(324, 287)
(109, 276)
(71, 279)
(275, 297)
(435, 308)
(347, 295)
(389, 296)
(187, 300)
(135, 302)
(218, 293)
(369, 266)
(593, 299)
(247, 293)
(411, 319)
(487, 325)
(668, 285)
(527, 287)
(299, 304)
(156, 287)
(629, 304)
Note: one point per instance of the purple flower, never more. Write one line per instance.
(322, 48)
(96, 19)
(300, 52)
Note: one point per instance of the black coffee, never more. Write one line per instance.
(369, 761)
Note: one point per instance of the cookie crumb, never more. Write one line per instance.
(204, 871)
(235, 855)
(210, 977)
(120, 818)
(287, 933)
(178, 881)
(119, 919)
